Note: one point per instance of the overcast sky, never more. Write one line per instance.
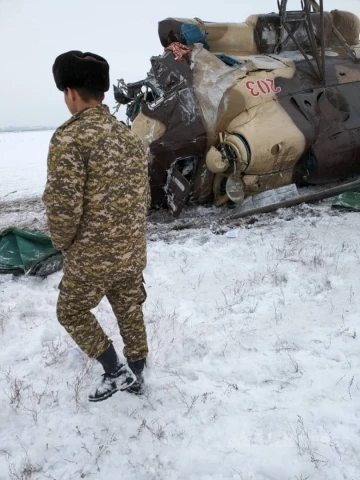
(34, 32)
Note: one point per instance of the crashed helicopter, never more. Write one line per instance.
(230, 110)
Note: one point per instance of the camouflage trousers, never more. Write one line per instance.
(126, 296)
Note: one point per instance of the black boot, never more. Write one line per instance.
(137, 367)
(116, 377)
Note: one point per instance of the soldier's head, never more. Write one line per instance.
(83, 77)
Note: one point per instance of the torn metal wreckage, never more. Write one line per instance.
(230, 110)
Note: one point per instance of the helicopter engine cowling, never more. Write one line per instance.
(260, 147)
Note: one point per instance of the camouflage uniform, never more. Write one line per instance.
(97, 197)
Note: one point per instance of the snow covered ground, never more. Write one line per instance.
(23, 163)
(254, 365)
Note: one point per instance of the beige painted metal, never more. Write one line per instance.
(214, 161)
(212, 81)
(239, 38)
(237, 106)
(275, 141)
(259, 183)
(231, 38)
(227, 37)
(148, 130)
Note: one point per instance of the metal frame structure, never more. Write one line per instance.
(302, 18)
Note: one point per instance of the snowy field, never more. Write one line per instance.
(254, 365)
(23, 163)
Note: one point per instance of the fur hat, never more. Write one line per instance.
(76, 69)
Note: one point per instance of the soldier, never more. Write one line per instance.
(97, 197)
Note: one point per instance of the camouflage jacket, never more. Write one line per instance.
(97, 195)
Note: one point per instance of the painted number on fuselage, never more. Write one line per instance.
(262, 86)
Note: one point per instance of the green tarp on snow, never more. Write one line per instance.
(22, 251)
(350, 200)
